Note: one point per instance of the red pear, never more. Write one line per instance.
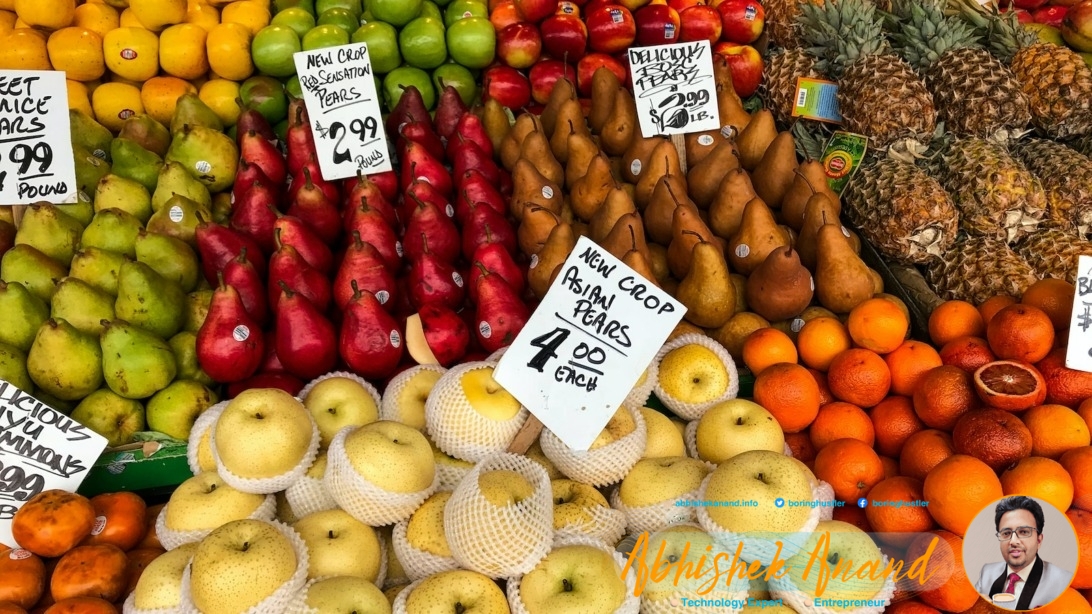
(292, 231)
(288, 266)
(428, 220)
(218, 245)
(306, 340)
(419, 164)
(314, 207)
(373, 228)
(423, 191)
(475, 188)
(486, 226)
(433, 279)
(370, 343)
(471, 128)
(250, 120)
(299, 141)
(493, 257)
(450, 108)
(466, 154)
(410, 107)
(255, 149)
(388, 184)
(363, 265)
(446, 334)
(362, 189)
(241, 275)
(422, 134)
(500, 314)
(271, 363)
(230, 345)
(253, 212)
(299, 181)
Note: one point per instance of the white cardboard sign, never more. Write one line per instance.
(36, 160)
(1078, 354)
(674, 88)
(587, 344)
(339, 89)
(40, 449)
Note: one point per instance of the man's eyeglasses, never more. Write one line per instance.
(1021, 532)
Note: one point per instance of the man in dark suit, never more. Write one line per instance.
(1023, 581)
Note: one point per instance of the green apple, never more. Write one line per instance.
(736, 426)
(172, 411)
(574, 579)
(836, 541)
(347, 594)
(110, 415)
(296, 18)
(338, 402)
(429, 9)
(382, 41)
(160, 584)
(204, 502)
(395, 457)
(292, 88)
(405, 76)
(340, 17)
(340, 545)
(460, 590)
(659, 480)
(423, 42)
(395, 12)
(663, 438)
(283, 5)
(472, 42)
(461, 9)
(762, 476)
(574, 503)
(254, 423)
(693, 374)
(425, 528)
(352, 6)
(324, 36)
(266, 96)
(458, 77)
(405, 396)
(272, 50)
(238, 565)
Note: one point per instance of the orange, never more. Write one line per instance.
(1040, 477)
(850, 466)
(801, 447)
(1055, 429)
(923, 451)
(967, 353)
(890, 467)
(1054, 297)
(948, 589)
(958, 488)
(859, 376)
(992, 305)
(825, 395)
(840, 420)
(1065, 386)
(853, 515)
(943, 395)
(1082, 523)
(1021, 332)
(894, 421)
(790, 393)
(1010, 385)
(953, 319)
(1078, 462)
(1069, 602)
(820, 340)
(878, 325)
(765, 347)
(908, 363)
(897, 525)
(997, 438)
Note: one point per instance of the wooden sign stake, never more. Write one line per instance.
(526, 436)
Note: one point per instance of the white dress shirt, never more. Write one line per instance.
(1023, 573)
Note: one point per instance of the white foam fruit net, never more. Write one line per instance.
(283, 598)
(418, 563)
(363, 500)
(371, 390)
(693, 411)
(500, 541)
(171, 539)
(800, 601)
(638, 396)
(390, 407)
(457, 428)
(450, 475)
(201, 427)
(308, 495)
(267, 486)
(606, 524)
(631, 604)
(652, 518)
(727, 595)
(602, 466)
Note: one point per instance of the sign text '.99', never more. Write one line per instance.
(35, 152)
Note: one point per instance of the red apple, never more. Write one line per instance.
(657, 24)
(633, 5)
(591, 5)
(611, 28)
(535, 11)
(593, 62)
(1021, 15)
(741, 21)
(681, 5)
(1051, 15)
(746, 64)
(1028, 5)
(1064, 2)
(504, 15)
(567, 7)
(507, 86)
(699, 23)
(1077, 26)
(544, 74)
(519, 45)
(564, 37)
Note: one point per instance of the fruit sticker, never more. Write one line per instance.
(674, 87)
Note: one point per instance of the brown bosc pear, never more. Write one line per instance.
(604, 87)
(559, 244)
(774, 173)
(509, 150)
(536, 150)
(729, 104)
(726, 210)
(617, 203)
(707, 290)
(495, 121)
(535, 228)
(582, 150)
(669, 194)
(697, 145)
(877, 281)
(589, 193)
(570, 119)
(635, 157)
(781, 287)
(808, 179)
(638, 261)
(622, 126)
(758, 235)
(657, 259)
(628, 233)
(842, 279)
(530, 188)
(703, 179)
(664, 160)
(819, 209)
(756, 138)
(687, 230)
(561, 91)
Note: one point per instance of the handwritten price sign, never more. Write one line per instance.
(674, 88)
(35, 145)
(587, 344)
(339, 88)
(1078, 353)
(40, 449)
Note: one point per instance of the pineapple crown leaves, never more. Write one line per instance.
(838, 33)
(1002, 32)
(922, 33)
(811, 139)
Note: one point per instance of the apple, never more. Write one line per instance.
(323, 36)
(700, 23)
(507, 86)
(459, 590)
(565, 7)
(347, 594)
(340, 545)
(503, 15)
(382, 40)
(746, 64)
(1052, 15)
(575, 579)
(663, 438)
(844, 542)
(204, 502)
(682, 5)
(741, 20)
(683, 546)
(1077, 26)
(1022, 15)
(535, 11)
(160, 584)
(174, 409)
(404, 399)
(660, 480)
(575, 503)
(257, 421)
(586, 67)
(392, 456)
(272, 49)
(620, 425)
(425, 528)
(611, 28)
(544, 74)
(762, 476)
(339, 401)
(461, 9)
(736, 426)
(657, 24)
(692, 374)
(254, 550)
(110, 415)
(1027, 5)
(565, 37)
(472, 42)
(395, 12)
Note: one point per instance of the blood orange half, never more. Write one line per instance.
(1010, 385)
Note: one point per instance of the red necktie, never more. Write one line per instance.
(1011, 587)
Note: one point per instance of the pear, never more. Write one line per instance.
(729, 105)
(621, 126)
(175, 179)
(89, 134)
(570, 120)
(756, 138)
(591, 190)
(83, 210)
(179, 218)
(531, 188)
(98, 267)
(809, 179)
(196, 309)
(64, 362)
(706, 290)
(146, 132)
(135, 363)
(191, 111)
(669, 193)
(184, 347)
(687, 230)
(604, 87)
(182, 398)
(535, 228)
(113, 229)
(701, 144)
(98, 411)
(561, 91)
(21, 314)
(818, 210)
(635, 157)
(774, 173)
(147, 299)
(170, 257)
(89, 169)
(496, 122)
(639, 259)
(842, 279)
(582, 150)
(132, 161)
(13, 367)
(657, 260)
(628, 233)
(703, 179)
(758, 235)
(536, 150)
(617, 203)
(557, 248)
(513, 141)
(81, 305)
(115, 192)
(780, 288)
(31, 268)
(726, 210)
(209, 155)
(50, 231)
(664, 160)
(222, 208)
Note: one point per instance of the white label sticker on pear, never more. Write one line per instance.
(424, 179)
(176, 214)
(797, 324)
(232, 201)
(705, 140)
(845, 231)
(100, 154)
(728, 131)
(534, 260)
(635, 168)
(100, 525)
(396, 339)
(450, 210)
(458, 279)
(382, 296)
(19, 554)
(240, 333)
(812, 280)
(485, 329)
(547, 192)
(398, 249)
(743, 250)
(83, 197)
(203, 166)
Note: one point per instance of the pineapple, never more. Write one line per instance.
(977, 268)
(1066, 176)
(781, 23)
(1053, 252)
(778, 89)
(1083, 144)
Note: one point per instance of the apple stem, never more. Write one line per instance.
(459, 608)
(566, 585)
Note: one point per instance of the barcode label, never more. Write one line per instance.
(801, 98)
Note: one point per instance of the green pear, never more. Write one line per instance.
(132, 161)
(184, 346)
(175, 179)
(51, 231)
(178, 218)
(190, 110)
(173, 410)
(135, 362)
(83, 210)
(114, 192)
(64, 362)
(146, 132)
(113, 229)
(89, 169)
(110, 415)
(147, 299)
(13, 367)
(170, 257)
(222, 208)
(197, 308)
(21, 314)
(89, 134)
(208, 154)
(65, 407)
(31, 268)
(98, 267)
(81, 305)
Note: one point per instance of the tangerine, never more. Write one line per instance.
(859, 376)
(898, 525)
(1010, 385)
(801, 447)
(850, 466)
(1082, 524)
(765, 347)
(1065, 386)
(878, 324)
(923, 451)
(997, 438)
(1036, 476)
(894, 421)
(958, 488)
(992, 305)
(1069, 602)
(967, 353)
(953, 319)
(1021, 332)
(908, 363)
(790, 393)
(949, 589)
(1078, 462)
(1054, 297)
(1055, 429)
(840, 420)
(820, 340)
(944, 394)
